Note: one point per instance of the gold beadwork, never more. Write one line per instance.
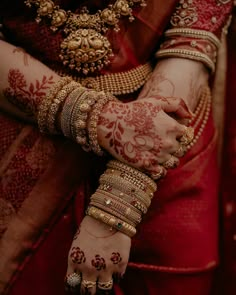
(185, 14)
(201, 115)
(116, 83)
(44, 106)
(93, 122)
(189, 54)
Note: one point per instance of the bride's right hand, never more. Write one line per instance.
(143, 133)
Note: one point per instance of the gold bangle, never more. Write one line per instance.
(112, 181)
(55, 105)
(44, 106)
(136, 174)
(124, 199)
(68, 109)
(131, 182)
(194, 33)
(131, 216)
(113, 212)
(79, 118)
(189, 54)
(110, 220)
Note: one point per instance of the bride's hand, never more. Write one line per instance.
(98, 255)
(143, 133)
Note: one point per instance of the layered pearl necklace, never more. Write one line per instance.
(85, 49)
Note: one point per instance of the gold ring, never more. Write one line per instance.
(157, 175)
(88, 284)
(171, 163)
(180, 152)
(105, 285)
(188, 136)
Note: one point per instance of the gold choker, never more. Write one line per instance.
(85, 48)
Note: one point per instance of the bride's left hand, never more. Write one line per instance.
(97, 255)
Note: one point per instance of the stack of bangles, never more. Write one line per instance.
(123, 196)
(198, 45)
(125, 193)
(79, 110)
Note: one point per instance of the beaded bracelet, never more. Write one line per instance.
(44, 106)
(93, 122)
(79, 118)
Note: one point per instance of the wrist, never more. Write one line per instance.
(186, 78)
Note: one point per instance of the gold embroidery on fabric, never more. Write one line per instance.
(185, 14)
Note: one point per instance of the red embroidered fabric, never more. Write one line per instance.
(208, 15)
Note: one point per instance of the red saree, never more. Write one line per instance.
(175, 250)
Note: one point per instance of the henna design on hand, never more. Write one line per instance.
(99, 262)
(140, 119)
(116, 258)
(26, 97)
(77, 255)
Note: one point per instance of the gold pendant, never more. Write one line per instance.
(86, 50)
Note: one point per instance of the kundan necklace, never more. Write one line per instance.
(85, 48)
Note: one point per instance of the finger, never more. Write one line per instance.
(178, 106)
(105, 281)
(88, 284)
